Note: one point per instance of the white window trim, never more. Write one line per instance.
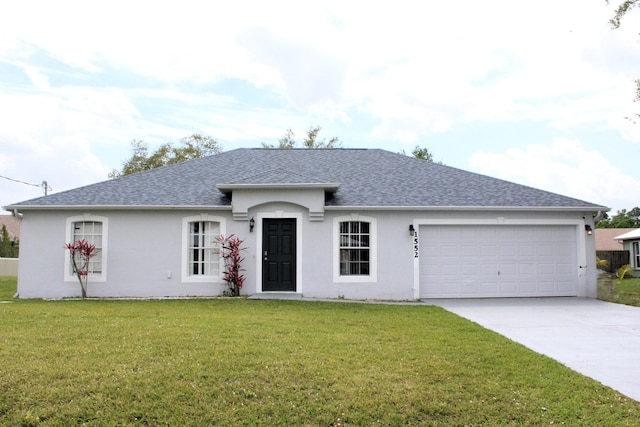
(185, 277)
(373, 250)
(635, 253)
(69, 276)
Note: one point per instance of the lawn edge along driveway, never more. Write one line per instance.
(595, 338)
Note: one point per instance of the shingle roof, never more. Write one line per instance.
(372, 178)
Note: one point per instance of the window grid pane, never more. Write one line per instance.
(91, 231)
(203, 249)
(354, 248)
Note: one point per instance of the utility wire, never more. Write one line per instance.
(45, 186)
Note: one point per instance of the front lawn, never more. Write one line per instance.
(7, 287)
(245, 362)
(625, 291)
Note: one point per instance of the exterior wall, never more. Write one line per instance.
(316, 255)
(144, 255)
(145, 251)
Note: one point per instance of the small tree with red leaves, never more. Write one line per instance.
(81, 253)
(229, 250)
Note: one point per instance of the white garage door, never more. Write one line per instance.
(497, 261)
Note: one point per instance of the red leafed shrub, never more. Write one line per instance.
(81, 253)
(229, 250)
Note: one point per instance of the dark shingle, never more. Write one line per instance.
(366, 177)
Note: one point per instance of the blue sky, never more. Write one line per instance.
(532, 92)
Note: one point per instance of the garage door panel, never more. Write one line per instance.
(489, 268)
(468, 250)
(526, 251)
(509, 269)
(564, 269)
(469, 270)
(561, 249)
(497, 261)
(488, 288)
(527, 269)
(565, 286)
(546, 269)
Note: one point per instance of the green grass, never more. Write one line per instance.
(626, 291)
(7, 287)
(244, 362)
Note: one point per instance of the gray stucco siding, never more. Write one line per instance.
(144, 257)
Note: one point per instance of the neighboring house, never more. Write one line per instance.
(13, 226)
(610, 249)
(631, 242)
(343, 223)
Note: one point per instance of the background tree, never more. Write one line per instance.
(622, 9)
(8, 246)
(190, 147)
(422, 154)
(311, 140)
(634, 214)
(622, 219)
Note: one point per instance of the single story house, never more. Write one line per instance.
(631, 243)
(611, 250)
(324, 223)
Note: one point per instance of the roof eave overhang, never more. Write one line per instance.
(631, 235)
(474, 208)
(11, 208)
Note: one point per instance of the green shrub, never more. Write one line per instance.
(624, 271)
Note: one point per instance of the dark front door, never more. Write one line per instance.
(279, 255)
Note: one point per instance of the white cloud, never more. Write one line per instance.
(64, 162)
(49, 134)
(406, 71)
(564, 167)
(417, 68)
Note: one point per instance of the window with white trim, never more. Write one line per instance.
(91, 232)
(92, 229)
(201, 261)
(203, 248)
(636, 254)
(355, 249)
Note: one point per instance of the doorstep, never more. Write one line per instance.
(276, 295)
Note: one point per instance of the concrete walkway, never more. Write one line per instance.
(598, 339)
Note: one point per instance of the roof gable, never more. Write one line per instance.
(366, 177)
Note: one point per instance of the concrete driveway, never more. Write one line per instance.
(598, 339)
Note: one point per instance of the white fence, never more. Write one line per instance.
(8, 266)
